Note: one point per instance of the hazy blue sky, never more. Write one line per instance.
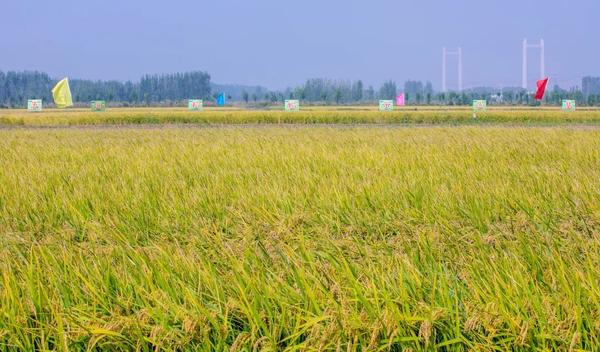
(278, 43)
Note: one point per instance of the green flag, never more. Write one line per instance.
(62, 94)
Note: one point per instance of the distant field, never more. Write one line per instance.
(311, 238)
(308, 115)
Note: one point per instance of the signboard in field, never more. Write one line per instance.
(569, 105)
(195, 105)
(479, 105)
(292, 105)
(34, 105)
(386, 105)
(98, 105)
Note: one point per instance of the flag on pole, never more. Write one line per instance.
(221, 99)
(62, 94)
(400, 100)
(541, 88)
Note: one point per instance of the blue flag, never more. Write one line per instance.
(221, 99)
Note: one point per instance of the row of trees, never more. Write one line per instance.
(17, 87)
(323, 91)
(330, 91)
(590, 86)
(320, 90)
(513, 96)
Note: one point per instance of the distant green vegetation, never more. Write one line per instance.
(17, 87)
(175, 88)
(308, 115)
(316, 238)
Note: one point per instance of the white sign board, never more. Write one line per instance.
(34, 105)
(569, 105)
(195, 105)
(479, 105)
(386, 105)
(292, 105)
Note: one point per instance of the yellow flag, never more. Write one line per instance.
(62, 94)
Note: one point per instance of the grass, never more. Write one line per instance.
(309, 115)
(319, 238)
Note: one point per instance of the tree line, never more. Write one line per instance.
(171, 89)
(323, 91)
(17, 87)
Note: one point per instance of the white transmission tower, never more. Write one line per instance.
(445, 54)
(527, 46)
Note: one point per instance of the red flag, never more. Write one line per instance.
(541, 88)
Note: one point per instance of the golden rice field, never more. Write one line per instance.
(270, 238)
(308, 115)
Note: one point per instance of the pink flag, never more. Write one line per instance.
(400, 100)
